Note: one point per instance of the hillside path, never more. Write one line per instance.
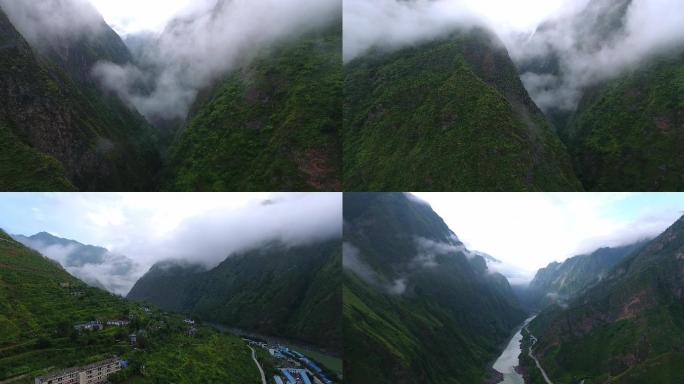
(261, 370)
(529, 353)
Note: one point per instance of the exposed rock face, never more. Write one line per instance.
(624, 326)
(100, 143)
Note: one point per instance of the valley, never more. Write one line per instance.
(83, 111)
(419, 306)
(282, 293)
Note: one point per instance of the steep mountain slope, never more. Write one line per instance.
(274, 124)
(560, 282)
(292, 292)
(629, 328)
(451, 114)
(96, 266)
(627, 129)
(48, 107)
(40, 302)
(418, 307)
(627, 132)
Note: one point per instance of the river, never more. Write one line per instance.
(508, 360)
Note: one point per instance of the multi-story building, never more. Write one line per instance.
(90, 374)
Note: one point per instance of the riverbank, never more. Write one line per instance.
(508, 361)
(329, 360)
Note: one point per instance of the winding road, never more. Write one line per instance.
(261, 370)
(529, 353)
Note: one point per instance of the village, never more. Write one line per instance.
(296, 368)
(98, 372)
(293, 367)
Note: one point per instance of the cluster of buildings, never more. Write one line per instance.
(304, 367)
(97, 325)
(293, 376)
(89, 374)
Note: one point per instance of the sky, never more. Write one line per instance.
(194, 227)
(134, 16)
(530, 230)
(573, 35)
(390, 22)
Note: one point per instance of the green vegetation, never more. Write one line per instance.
(564, 281)
(40, 302)
(100, 143)
(627, 133)
(629, 328)
(22, 168)
(449, 114)
(275, 124)
(451, 320)
(259, 290)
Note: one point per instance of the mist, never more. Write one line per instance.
(202, 46)
(584, 57)
(138, 230)
(112, 272)
(208, 239)
(43, 21)
(534, 33)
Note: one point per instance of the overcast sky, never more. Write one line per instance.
(530, 230)
(131, 16)
(200, 228)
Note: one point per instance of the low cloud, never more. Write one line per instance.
(586, 53)
(206, 41)
(429, 250)
(42, 21)
(113, 272)
(572, 36)
(391, 24)
(208, 238)
(199, 48)
(352, 261)
(194, 228)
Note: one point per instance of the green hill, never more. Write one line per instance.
(51, 115)
(40, 302)
(418, 307)
(626, 134)
(287, 291)
(448, 114)
(629, 328)
(273, 125)
(560, 282)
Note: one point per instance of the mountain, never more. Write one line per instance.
(560, 282)
(418, 307)
(63, 131)
(625, 132)
(40, 302)
(628, 328)
(447, 114)
(274, 124)
(287, 291)
(96, 266)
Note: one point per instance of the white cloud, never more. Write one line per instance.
(530, 230)
(202, 228)
(194, 51)
(396, 23)
(133, 16)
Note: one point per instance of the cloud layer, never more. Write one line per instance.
(590, 47)
(196, 228)
(527, 231)
(570, 32)
(204, 45)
